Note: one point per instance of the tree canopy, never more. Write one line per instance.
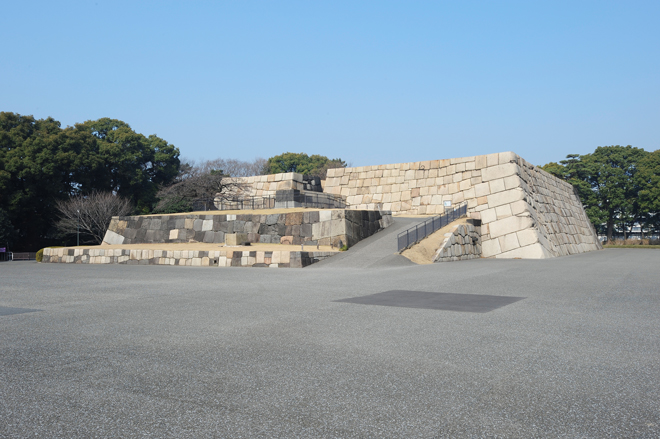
(315, 165)
(42, 163)
(618, 185)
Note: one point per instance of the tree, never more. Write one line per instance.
(7, 232)
(91, 214)
(41, 164)
(230, 167)
(135, 165)
(205, 187)
(607, 184)
(648, 180)
(315, 165)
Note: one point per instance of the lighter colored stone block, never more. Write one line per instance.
(490, 248)
(492, 159)
(113, 238)
(512, 182)
(499, 171)
(509, 225)
(174, 234)
(528, 237)
(236, 238)
(503, 211)
(509, 242)
(534, 251)
(207, 225)
(482, 189)
(325, 215)
(496, 185)
(488, 215)
(519, 207)
(506, 157)
(505, 197)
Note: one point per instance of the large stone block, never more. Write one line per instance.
(509, 242)
(534, 251)
(499, 171)
(236, 238)
(509, 225)
(506, 197)
(490, 248)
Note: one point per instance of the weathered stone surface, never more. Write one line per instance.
(236, 238)
(484, 182)
(462, 243)
(113, 238)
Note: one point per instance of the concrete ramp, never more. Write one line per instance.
(377, 251)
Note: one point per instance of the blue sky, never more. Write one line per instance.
(370, 82)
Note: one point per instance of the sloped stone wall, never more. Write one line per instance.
(525, 212)
(462, 243)
(323, 227)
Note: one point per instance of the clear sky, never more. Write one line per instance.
(369, 82)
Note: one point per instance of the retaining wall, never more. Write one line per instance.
(323, 227)
(525, 212)
(463, 242)
(224, 258)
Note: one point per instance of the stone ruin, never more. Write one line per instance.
(515, 210)
(524, 211)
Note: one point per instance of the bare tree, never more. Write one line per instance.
(91, 214)
(206, 187)
(228, 167)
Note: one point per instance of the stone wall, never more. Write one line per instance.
(323, 227)
(224, 258)
(525, 212)
(268, 185)
(463, 242)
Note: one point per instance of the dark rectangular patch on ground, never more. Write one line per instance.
(442, 301)
(7, 311)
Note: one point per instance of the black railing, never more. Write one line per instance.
(23, 256)
(314, 200)
(416, 233)
(318, 200)
(246, 203)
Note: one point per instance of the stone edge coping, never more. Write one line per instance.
(235, 258)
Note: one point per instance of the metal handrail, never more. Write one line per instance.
(320, 200)
(418, 232)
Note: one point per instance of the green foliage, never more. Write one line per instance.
(617, 184)
(648, 180)
(315, 165)
(343, 248)
(7, 231)
(134, 165)
(41, 164)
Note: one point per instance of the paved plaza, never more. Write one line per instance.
(188, 352)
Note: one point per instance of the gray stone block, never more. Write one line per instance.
(209, 236)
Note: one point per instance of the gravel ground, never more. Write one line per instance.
(153, 351)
